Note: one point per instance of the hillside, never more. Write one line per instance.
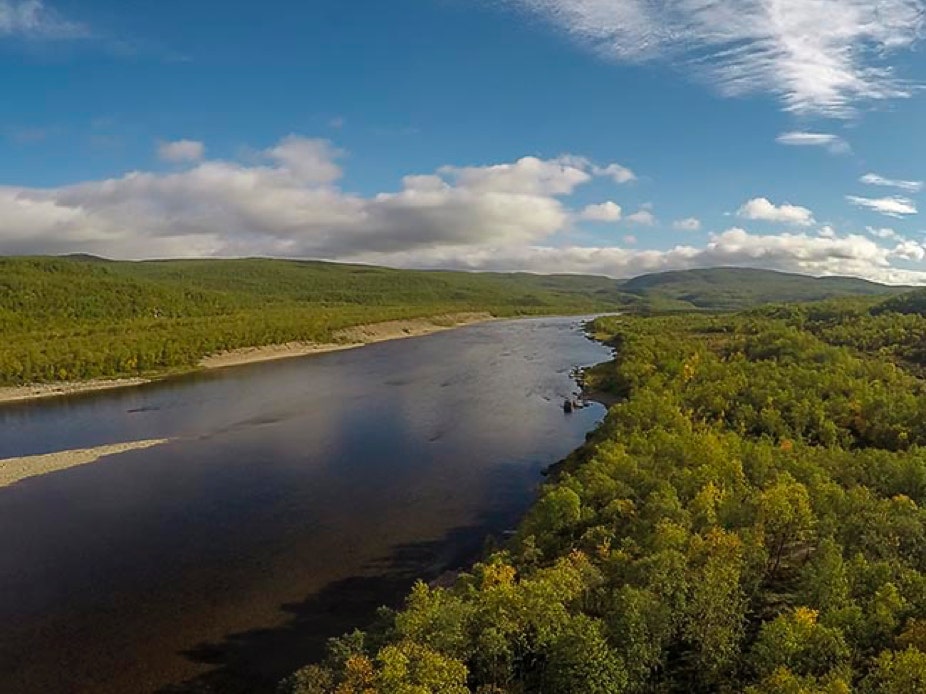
(737, 288)
(81, 288)
(81, 317)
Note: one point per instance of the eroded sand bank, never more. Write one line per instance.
(12, 470)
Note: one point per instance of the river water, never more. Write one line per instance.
(293, 498)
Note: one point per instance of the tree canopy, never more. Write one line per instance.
(748, 518)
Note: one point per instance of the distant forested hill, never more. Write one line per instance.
(737, 288)
(908, 303)
(37, 290)
(81, 317)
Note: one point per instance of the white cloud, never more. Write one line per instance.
(764, 210)
(818, 56)
(883, 233)
(311, 162)
(630, 240)
(876, 180)
(32, 19)
(847, 256)
(833, 143)
(287, 202)
(527, 176)
(181, 150)
(689, 224)
(617, 173)
(909, 250)
(605, 212)
(894, 206)
(643, 217)
(827, 232)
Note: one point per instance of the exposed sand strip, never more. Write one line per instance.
(51, 390)
(13, 470)
(348, 338)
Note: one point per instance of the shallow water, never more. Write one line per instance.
(293, 499)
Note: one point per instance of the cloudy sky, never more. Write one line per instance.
(612, 137)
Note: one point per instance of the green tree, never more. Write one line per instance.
(898, 672)
(715, 614)
(581, 660)
(798, 642)
(786, 516)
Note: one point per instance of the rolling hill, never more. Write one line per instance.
(738, 288)
(81, 317)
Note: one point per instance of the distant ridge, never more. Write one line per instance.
(86, 258)
(252, 280)
(729, 288)
(81, 317)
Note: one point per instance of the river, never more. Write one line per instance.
(292, 499)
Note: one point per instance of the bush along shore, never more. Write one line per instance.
(348, 338)
(72, 321)
(748, 518)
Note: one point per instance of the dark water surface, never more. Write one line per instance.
(294, 498)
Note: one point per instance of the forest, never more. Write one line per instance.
(79, 317)
(748, 518)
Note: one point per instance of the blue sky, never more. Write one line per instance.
(605, 136)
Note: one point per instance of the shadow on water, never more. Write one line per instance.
(254, 661)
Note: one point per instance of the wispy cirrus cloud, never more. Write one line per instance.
(33, 19)
(832, 143)
(892, 206)
(872, 179)
(819, 57)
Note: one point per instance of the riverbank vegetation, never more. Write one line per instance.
(73, 319)
(749, 518)
(80, 318)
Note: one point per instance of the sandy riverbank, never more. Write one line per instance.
(12, 470)
(36, 391)
(348, 338)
